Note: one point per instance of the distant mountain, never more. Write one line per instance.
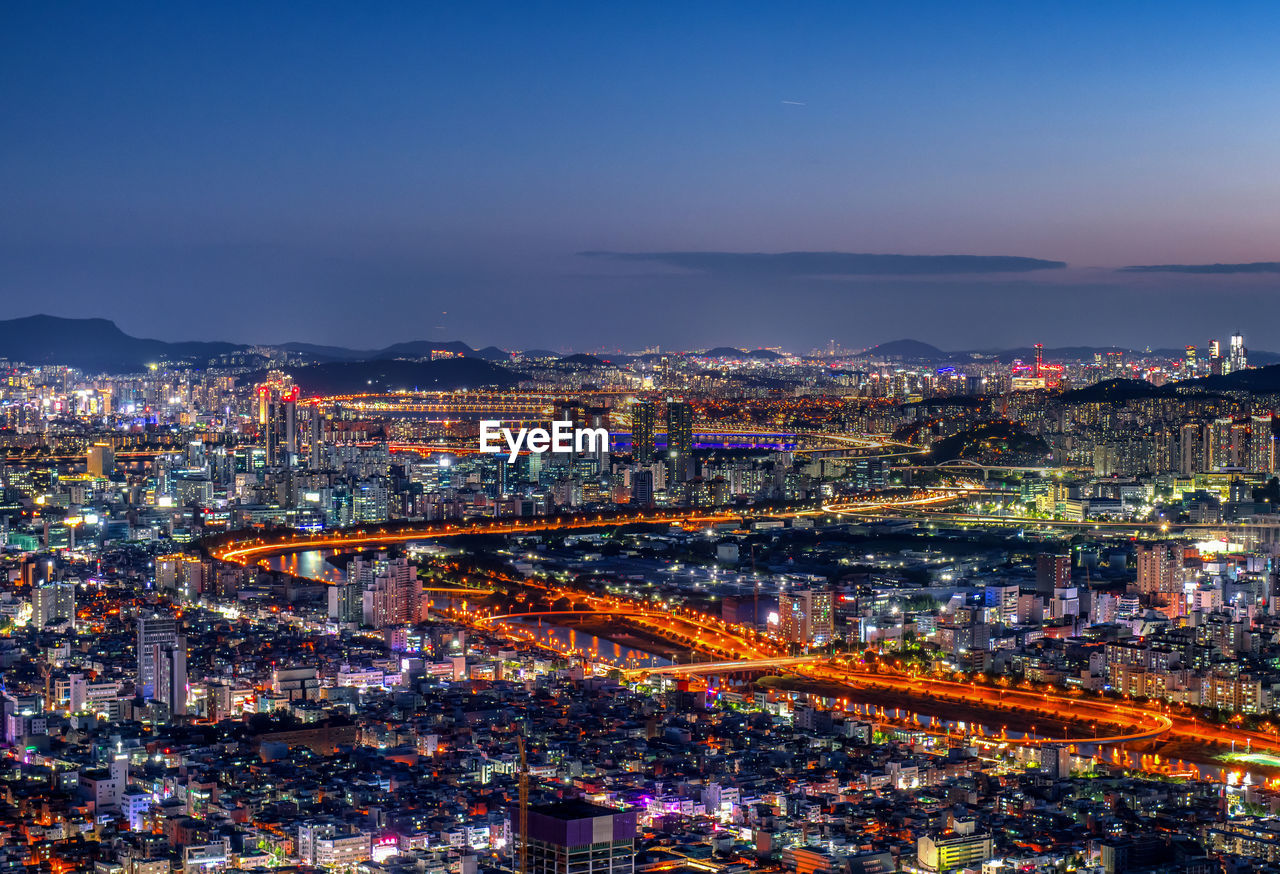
(764, 355)
(723, 352)
(583, 360)
(355, 377)
(95, 345)
(906, 349)
(410, 349)
(1257, 380)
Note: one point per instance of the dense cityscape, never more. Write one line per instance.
(848, 611)
(639, 438)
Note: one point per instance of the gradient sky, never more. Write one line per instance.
(370, 173)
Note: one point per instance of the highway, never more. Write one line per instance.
(736, 648)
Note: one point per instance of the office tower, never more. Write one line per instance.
(370, 501)
(171, 676)
(100, 461)
(1215, 358)
(805, 616)
(644, 426)
(493, 475)
(679, 442)
(51, 602)
(155, 633)
(1237, 357)
(1053, 571)
(642, 488)
(1190, 362)
(575, 837)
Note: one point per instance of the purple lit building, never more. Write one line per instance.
(576, 837)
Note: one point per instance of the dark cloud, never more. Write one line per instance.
(810, 264)
(1253, 267)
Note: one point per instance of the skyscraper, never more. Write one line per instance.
(1237, 357)
(317, 438)
(1262, 444)
(679, 442)
(642, 488)
(155, 634)
(644, 426)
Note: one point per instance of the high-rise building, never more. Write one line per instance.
(644, 427)
(278, 424)
(100, 460)
(806, 616)
(1237, 357)
(1190, 450)
(642, 488)
(1262, 444)
(679, 442)
(1053, 571)
(51, 602)
(155, 633)
(346, 602)
(394, 597)
(316, 447)
(1159, 568)
(1222, 450)
(1190, 363)
(575, 837)
(171, 676)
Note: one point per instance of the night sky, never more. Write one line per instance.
(611, 175)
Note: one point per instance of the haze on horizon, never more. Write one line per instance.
(595, 176)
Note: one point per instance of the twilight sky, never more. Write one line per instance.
(604, 175)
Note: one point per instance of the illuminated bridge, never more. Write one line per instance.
(450, 406)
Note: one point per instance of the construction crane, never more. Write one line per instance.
(522, 850)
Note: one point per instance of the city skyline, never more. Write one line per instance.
(542, 178)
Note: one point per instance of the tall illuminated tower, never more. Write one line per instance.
(644, 424)
(679, 441)
(1237, 358)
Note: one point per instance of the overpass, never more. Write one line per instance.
(964, 464)
(730, 667)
